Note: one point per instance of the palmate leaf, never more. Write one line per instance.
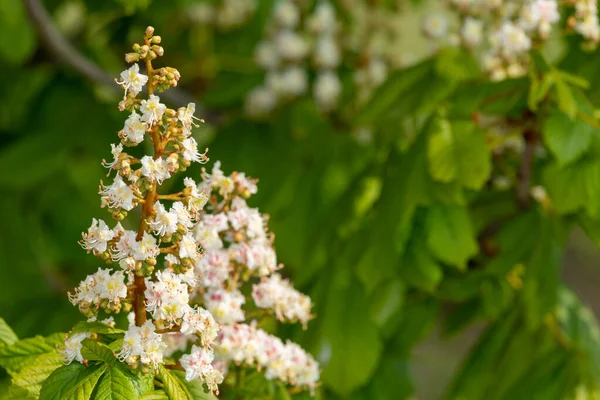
(24, 352)
(72, 382)
(7, 336)
(94, 351)
(566, 139)
(33, 376)
(116, 385)
(353, 338)
(450, 235)
(174, 387)
(458, 151)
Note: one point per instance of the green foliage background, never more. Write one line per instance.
(389, 239)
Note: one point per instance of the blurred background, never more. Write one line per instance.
(329, 147)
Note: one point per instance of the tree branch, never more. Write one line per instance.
(65, 53)
(524, 173)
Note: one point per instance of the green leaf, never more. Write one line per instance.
(17, 40)
(575, 187)
(174, 387)
(32, 376)
(566, 139)
(194, 388)
(96, 351)
(97, 327)
(7, 336)
(458, 152)
(72, 382)
(352, 339)
(566, 100)
(450, 235)
(154, 395)
(115, 385)
(24, 352)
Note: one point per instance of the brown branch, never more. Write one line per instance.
(65, 53)
(524, 173)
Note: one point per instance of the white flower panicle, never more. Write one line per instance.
(278, 294)
(243, 343)
(507, 31)
(183, 270)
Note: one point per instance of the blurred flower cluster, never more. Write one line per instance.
(505, 32)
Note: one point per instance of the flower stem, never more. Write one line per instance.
(139, 300)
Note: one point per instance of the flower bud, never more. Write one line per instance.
(149, 32)
(136, 47)
(152, 55)
(156, 39)
(132, 57)
(158, 50)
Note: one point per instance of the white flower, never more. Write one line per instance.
(100, 286)
(183, 215)
(327, 90)
(118, 195)
(292, 81)
(218, 222)
(146, 248)
(134, 128)
(511, 40)
(115, 150)
(589, 28)
(155, 169)
(213, 267)
(198, 365)
(198, 321)
(278, 294)
(287, 14)
(260, 101)
(224, 305)
(198, 198)
(472, 31)
(152, 109)
(207, 236)
(123, 247)
(435, 25)
(291, 46)
(327, 53)
(186, 116)
(72, 349)
(545, 11)
(97, 237)
(288, 362)
(165, 222)
(323, 19)
(142, 343)
(114, 288)
(190, 151)
(167, 297)
(132, 80)
(188, 247)
(265, 55)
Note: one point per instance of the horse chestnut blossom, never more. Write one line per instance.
(188, 274)
(507, 31)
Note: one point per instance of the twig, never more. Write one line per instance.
(524, 173)
(65, 53)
